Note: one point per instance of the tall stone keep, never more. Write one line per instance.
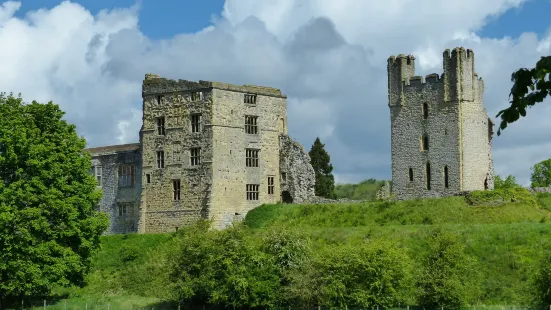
(441, 136)
(209, 150)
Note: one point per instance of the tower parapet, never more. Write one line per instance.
(400, 69)
(461, 83)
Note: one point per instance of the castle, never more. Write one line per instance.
(215, 151)
(440, 132)
(207, 150)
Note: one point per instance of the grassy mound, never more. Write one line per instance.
(507, 240)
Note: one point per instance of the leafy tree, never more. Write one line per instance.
(530, 86)
(509, 182)
(320, 160)
(445, 273)
(541, 174)
(48, 228)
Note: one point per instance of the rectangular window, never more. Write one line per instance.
(99, 175)
(176, 189)
(195, 156)
(252, 191)
(161, 126)
(250, 99)
(160, 159)
(425, 143)
(251, 125)
(283, 178)
(271, 185)
(251, 158)
(122, 209)
(196, 122)
(126, 175)
(196, 96)
(148, 178)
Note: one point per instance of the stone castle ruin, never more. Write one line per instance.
(207, 150)
(440, 132)
(212, 150)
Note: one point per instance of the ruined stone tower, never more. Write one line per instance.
(440, 132)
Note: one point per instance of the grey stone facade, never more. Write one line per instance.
(207, 150)
(118, 172)
(440, 132)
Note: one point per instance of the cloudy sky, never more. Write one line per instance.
(328, 56)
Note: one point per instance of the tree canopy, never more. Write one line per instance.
(48, 227)
(541, 174)
(509, 182)
(321, 162)
(530, 86)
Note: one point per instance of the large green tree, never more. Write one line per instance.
(530, 86)
(48, 227)
(541, 174)
(321, 162)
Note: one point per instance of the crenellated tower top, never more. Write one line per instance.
(460, 81)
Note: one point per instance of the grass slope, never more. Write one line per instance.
(506, 240)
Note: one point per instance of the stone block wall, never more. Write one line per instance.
(230, 173)
(176, 101)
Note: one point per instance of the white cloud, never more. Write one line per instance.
(328, 57)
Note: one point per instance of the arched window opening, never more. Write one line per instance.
(428, 176)
(425, 110)
(446, 182)
(410, 174)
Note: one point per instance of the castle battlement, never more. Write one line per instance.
(155, 84)
(459, 79)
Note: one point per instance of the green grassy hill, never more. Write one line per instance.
(507, 242)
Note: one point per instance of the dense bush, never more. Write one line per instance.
(501, 196)
(446, 277)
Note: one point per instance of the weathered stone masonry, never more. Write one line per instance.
(441, 134)
(207, 150)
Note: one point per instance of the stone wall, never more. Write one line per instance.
(298, 177)
(230, 173)
(114, 195)
(446, 113)
(176, 101)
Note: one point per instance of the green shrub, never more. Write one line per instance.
(445, 279)
(501, 196)
(361, 276)
(542, 283)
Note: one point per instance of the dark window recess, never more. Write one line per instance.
(161, 126)
(428, 176)
(160, 159)
(252, 191)
(176, 189)
(271, 185)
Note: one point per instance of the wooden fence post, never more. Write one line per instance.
(44, 304)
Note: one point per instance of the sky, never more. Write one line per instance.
(328, 57)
